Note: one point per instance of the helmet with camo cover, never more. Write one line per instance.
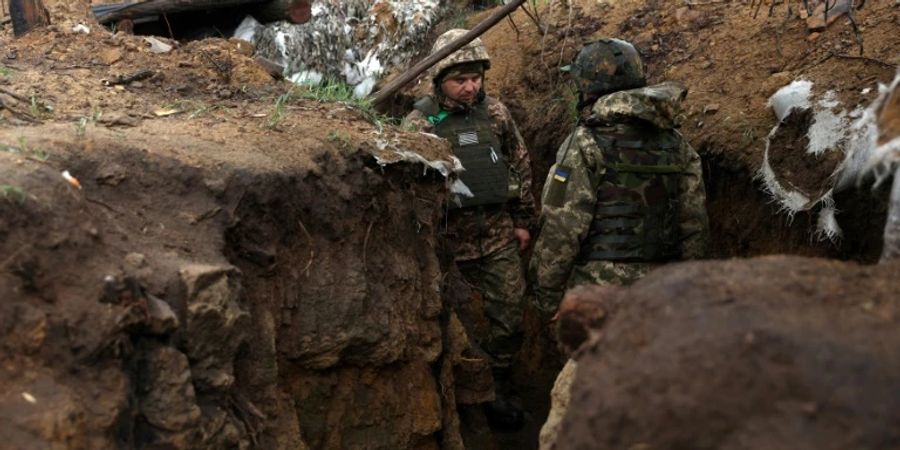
(606, 66)
(472, 52)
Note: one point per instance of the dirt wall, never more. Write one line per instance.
(774, 352)
(174, 303)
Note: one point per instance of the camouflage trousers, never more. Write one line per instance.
(592, 272)
(608, 272)
(499, 279)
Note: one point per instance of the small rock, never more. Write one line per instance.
(111, 174)
(706, 64)
(686, 16)
(110, 56)
(775, 82)
(162, 319)
(712, 108)
(135, 260)
(118, 119)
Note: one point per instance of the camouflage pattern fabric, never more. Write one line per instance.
(605, 66)
(478, 233)
(659, 105)
(474, 51)
(499, 279)
(568, 205)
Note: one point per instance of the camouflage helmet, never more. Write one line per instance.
(606, 66)
(474, 51)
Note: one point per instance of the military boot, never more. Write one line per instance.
(505, 412)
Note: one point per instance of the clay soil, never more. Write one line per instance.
(764, 353)
(197, 182)
(805, 173)
(215, 271)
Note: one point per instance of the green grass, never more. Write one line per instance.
(82, 122)
(6, 72)
(329, 91)
(193, 108)
(341, 138)
(277, 115)
(26, 151)
(15, 193)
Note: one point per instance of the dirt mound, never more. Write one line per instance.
(764, 353)
(220, 265)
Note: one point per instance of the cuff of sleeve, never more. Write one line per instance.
(527, 223)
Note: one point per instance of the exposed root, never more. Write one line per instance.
(312, 248)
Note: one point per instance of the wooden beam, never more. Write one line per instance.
(388, 91)
(112, 13)
(27, 15)
(294, 11)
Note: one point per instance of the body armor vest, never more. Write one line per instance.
(636, 215)
(477, 147)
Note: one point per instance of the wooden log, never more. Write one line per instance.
(294, 11)
(112, 13)
(386, 92)
(27, 15)
(891, 250)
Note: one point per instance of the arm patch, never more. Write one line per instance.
(559, 183)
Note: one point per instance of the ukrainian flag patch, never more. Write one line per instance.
(561, 175)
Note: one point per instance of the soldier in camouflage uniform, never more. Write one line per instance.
(490, 227)
(626, 192)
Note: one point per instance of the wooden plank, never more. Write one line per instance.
(295, 11)
(386, 92)
(27, 15)
(119, 11)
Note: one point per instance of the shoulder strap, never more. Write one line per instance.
(431, 109)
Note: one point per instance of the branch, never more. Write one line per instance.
(386, 92)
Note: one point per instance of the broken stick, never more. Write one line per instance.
(27, 15)
(386, 92)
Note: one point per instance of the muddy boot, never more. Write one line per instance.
(505, 412)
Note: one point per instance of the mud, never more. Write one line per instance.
(221, 275)
(792, 164)
(773, 352)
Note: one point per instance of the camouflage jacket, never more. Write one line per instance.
(566, 217)
(477, 233)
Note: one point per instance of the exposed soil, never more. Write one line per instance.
(775, 352)
(227, 275)
(238, 271)
(790, 161)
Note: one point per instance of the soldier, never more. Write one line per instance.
(491, 227)
(625, 194)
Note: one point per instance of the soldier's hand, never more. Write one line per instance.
(523, 236)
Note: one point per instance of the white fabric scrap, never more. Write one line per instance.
(247, 30)
(794, 95)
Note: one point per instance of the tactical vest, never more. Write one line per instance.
(636, 215)
(486, 171)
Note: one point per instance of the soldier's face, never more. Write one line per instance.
(463, 88)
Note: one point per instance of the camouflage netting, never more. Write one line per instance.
(354, 41)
